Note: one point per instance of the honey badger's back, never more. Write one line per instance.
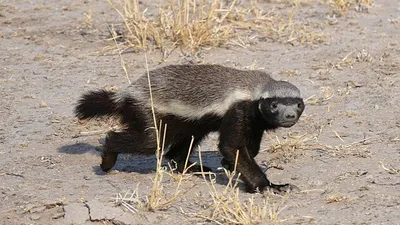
(187, 91)
(191, 91)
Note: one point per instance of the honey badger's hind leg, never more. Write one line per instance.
(179, 151)
(127, 141)
(179, 138)
(136, 138)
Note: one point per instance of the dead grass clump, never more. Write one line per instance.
(295, 144)
(89, 19)
(191, 24)
(291, 146)
(364, 56)
(348, 61)
(131, 201)
(281, 25)
(327, 93)
(342, 6)
(395, 139)
(336, 198)
(228, 208)
(357, 148)
(195, 24)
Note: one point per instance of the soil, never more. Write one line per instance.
(346, 162)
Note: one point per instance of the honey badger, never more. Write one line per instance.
(194, 100)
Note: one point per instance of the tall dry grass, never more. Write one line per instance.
(188, 23)
(196, 24)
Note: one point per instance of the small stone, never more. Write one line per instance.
(43, 105)
(102, 211)
(29, 207)
(58, 215)
(76, 213)
(38, 209)
(35, 217)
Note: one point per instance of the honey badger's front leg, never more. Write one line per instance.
(238, 132)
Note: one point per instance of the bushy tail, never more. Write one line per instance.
(96, 104)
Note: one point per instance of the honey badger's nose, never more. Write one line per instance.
(290, 115)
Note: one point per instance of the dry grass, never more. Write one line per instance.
(295, 144)
(357, 148)
(157, 199)
(389, 168)
(196, 24)
(123, 64)
(281, 25)
(352, 58)
(336, 198)
(327, 94)
(228, 207)
(190, 24)
(89, 19)
(342, 6)
(292, 146)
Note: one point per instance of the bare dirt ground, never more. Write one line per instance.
(346, 159)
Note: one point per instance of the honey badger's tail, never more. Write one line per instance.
(96, 104)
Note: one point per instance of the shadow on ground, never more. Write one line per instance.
(137, 163)
(78, 148)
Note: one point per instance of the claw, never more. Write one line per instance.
(283, 188)
(197, 168)
(108, 160)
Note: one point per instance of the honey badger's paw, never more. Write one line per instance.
(282, 189)
(263, 185)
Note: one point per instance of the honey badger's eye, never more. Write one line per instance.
(274, 105)
(299, 105)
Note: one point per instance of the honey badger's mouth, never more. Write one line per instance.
(287, 123)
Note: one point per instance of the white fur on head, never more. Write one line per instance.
(281, 89)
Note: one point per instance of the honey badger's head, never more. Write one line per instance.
(281, 104)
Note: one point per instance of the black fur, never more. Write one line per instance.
(96, 104)
(136, 140)
(241, 129)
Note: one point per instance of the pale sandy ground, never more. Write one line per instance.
(48, 59)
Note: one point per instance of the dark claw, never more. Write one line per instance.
(108, 160)
(282, 189)
(197, 168)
